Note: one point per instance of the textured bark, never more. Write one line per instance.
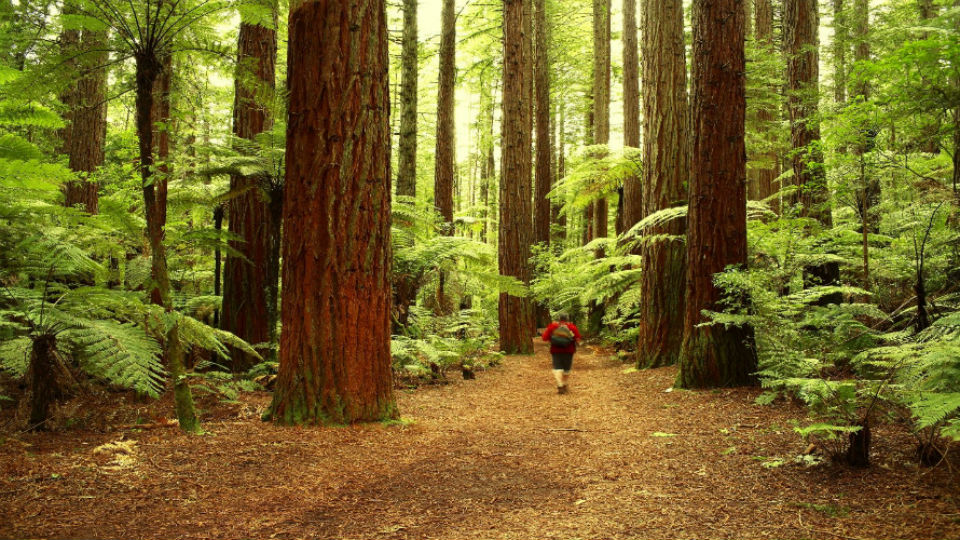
(601, 100)
(715, 355)
(544, 157)
(84, 138)
(515, 234)
(407, 150)
(632, 198)
(800, 27)
(766, 177)
(446, 144)
(561, 219)
(869, 195)
(248, 309)
(149, 78)
(49, 380)
(665, 176)
(841, 38)
(335, 345)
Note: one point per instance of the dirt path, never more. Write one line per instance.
(500, 457)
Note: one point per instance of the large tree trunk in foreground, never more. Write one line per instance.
(446, 144)
(149, 71)
(800, 27)
(515, 234)
(665, 176)
(715, 355)
(249, 311)
(86, 133)
(407, 149)
(335, 345)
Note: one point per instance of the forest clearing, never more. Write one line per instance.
(502, 456)
(321, 268)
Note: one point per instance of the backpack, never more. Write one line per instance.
(562, 336)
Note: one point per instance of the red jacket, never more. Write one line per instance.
(572, 348)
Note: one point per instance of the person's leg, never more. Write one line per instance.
(561, 367)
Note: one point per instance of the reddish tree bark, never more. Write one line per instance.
(632, 197)
(544, 157)
(409, 63)
(800, 38)
(715, 355)
(84, 138)
(250, 281)
(335, 345)
(766, 176)
(515, 234)
(665, 176)
(446, 134)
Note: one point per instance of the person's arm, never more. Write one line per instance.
(576, 332)
(550, 328)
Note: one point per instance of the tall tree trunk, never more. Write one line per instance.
(766, 175)
(446, 145)
(800, 27)
(335, 346)
(407, 159)
(85, 135)
(561, 219)
(632, 186)
(601, 98)
(716, 355)
(149, 75)
(869, 194)
(247, 308)
(544, 150)
(665, 175)
(544, 157)
(841, 36)
(515, 233)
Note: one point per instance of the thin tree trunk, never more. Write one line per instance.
(666, 149)
(407, 158)
(632, 186)
(515, 232)
(800, 27)
(601, 99)
(544, 157)
(716, 355)
(335, 346)
(446, 145)
(766, 175)
(247, 306)
(840, 43)
(87, 116)
(149, 70)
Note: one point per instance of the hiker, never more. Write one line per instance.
(563, 337)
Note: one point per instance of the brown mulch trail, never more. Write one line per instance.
(503, 456)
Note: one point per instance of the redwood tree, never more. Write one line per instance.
(335, 345)
(544, 157)
(632, 197)
(446, 144)
(407, 148)
(601, 98)
(665, 175)
(515, 233)
(84, 137)
(715, 355)
(765, 176)
(800, 38)
(250, 280)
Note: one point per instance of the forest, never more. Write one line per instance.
(280, 269)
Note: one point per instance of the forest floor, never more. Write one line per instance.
(502, 456)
